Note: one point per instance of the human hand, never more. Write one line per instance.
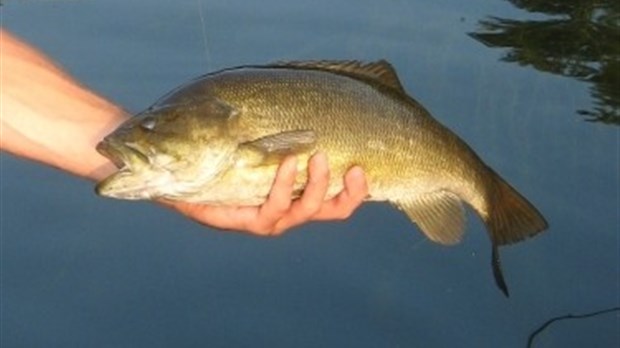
(280, 212)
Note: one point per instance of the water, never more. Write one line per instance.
(78, 270)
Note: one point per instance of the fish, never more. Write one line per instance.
(219, 139)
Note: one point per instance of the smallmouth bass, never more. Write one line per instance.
(219, 139)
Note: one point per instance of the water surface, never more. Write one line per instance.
(79, 270)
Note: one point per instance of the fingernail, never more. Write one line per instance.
(356, 172)
(320, 157)
(291, 161)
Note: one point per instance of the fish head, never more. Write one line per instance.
(168, 151)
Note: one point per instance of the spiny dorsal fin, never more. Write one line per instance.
(380, 71)
(440, 215)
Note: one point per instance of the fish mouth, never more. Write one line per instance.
(124, 156)
(129, 182)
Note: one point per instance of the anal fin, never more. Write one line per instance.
(440, 215)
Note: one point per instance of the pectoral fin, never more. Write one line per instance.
(272, 149)
(440, 215)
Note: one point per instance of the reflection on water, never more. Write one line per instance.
(581, 40)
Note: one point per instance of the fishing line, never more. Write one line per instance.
(203, 28)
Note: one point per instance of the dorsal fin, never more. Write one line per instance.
(379, 71)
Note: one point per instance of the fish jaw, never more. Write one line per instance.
(122, 155)
(161, 175)
(135, 178)
(125, 184)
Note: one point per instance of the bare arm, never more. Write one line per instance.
(49, 117)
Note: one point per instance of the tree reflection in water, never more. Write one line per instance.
(581, 40)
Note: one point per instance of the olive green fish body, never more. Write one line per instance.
(220, 138)
(355, 124)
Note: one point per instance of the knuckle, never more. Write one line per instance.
(272, 211)
(308, 208)
(276, 231)
(264, 231)
(325, 173)
(272, 229)
(346, 209)
(319, 174)
(278, 212)
(346, 213)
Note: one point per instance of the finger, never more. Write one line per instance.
(279, 199)
(222, 217)
(350, 198)
(314, 194)
(316, 188)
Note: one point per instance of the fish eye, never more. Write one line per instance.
(148, 123)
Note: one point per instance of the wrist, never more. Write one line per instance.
(48, 117)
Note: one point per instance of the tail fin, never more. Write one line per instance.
(510, 218)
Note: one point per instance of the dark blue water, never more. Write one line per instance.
(82, 271)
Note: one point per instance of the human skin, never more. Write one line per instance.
(48, 117)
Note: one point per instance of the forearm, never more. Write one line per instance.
(47, 116)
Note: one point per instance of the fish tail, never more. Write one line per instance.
(509, 219)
